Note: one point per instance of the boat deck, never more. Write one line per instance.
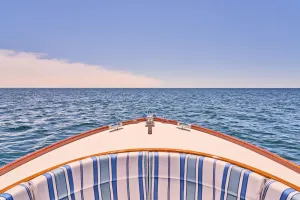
(165, 137)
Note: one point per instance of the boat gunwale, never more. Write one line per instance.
(10, 166)
(276, 158)
(290, 165)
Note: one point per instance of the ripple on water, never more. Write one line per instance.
(31, 119)
(17, 129)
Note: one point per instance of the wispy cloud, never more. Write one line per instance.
(26, 69)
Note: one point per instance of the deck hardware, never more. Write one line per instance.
(150, 123)
(184, 126)
(115, 127)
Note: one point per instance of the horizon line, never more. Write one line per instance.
(150, 88)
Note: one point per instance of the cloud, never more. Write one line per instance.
(26, 69)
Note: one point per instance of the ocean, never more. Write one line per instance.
(31, 119)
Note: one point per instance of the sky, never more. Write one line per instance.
(157, 43)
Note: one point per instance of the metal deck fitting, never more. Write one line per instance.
(150, 123)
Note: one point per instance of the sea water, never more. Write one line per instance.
(31, 119)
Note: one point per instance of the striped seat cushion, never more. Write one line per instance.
(150, 176)
(176, 176)
(19, 192)
(116, 176)
(275, 190)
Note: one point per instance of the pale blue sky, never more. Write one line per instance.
(182, 43)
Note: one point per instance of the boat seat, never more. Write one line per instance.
(114, 176)
(150, 176)
(276, 190)
(19, 192)
(180, 176)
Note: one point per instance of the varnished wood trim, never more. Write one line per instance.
(253, 169)
(251, 147)
(167, 121)
(133, 121)
(244, 144)
(31, 156)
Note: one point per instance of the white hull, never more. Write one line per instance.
(166, 136)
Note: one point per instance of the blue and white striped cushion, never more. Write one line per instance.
(52, 185)
(171, 176)
(176, 176)
(19, 192)
(110, 177)
(275, 190)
